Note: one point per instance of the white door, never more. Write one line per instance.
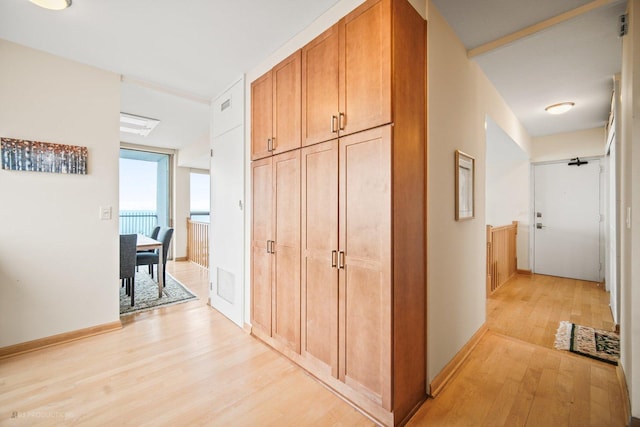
(567, 220)
(226, 264)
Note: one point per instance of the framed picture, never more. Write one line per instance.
(22, 155)
(465, 186)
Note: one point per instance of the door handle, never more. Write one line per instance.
(334, 122)
(341, 260)
(341, 121)
(269, 145)
(334, 256)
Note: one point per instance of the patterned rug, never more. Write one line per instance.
(146, 294)
(590, 342)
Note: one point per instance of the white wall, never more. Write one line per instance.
(630, 199)
(584, 143)
(459, 98)
(58, 261)
(507, 184)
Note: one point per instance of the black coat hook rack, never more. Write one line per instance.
(577, 162)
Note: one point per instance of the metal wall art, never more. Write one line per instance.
(21, 155)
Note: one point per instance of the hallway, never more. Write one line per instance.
(514, 377)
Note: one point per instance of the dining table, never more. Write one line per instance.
(145, 243)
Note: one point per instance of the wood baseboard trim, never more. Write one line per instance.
(524, 272)
(626, 404)
(634, 422)
(25, 347)
(181, 258)
(247, 328)
(440, 381)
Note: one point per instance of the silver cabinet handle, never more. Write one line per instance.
(269, 145)
(334, 121)
(273, 143)
(333, 258)
(341, 260)
(341, 121)
(271, 246)
(268, 246)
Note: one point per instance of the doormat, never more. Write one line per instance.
(587, 341)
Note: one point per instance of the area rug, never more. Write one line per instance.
(146, 294)
(590, 342)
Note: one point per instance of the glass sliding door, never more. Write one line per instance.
(144, 191)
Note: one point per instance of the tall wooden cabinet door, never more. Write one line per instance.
(319, 257)
(365, 80)
(365, 263)
(261, 116)
(262, 234)
(320, 87)
(286, 283)
(286, 104)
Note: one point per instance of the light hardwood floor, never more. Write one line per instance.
(188, 365)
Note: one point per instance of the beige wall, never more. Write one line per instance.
(630, 200)
(460, 97)
(181, 209)
(58, 260)
(562, 146)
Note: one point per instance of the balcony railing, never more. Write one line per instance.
(198, 242)
(138, 222)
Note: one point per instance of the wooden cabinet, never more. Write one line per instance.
(275, 249)
(343, 285)
(276, 109)
(346, 75)
(320, 258)
(346, 261)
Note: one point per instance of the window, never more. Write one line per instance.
(200, 197)
(144, 191)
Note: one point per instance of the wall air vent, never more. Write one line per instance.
(137, 125)
(623, 29)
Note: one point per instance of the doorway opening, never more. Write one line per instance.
(144, 191)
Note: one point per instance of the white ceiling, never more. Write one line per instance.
(193, 48)
(572, 61)
(175, 56)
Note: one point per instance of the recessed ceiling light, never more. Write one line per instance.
(137, 125)
(52, 4)
(560, 108)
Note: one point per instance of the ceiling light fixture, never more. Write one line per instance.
(52, 4)
(137, 125)
(560, 108)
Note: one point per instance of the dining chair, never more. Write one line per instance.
(151, 258)
(128, 263)
(154, 236)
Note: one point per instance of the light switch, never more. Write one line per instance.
(105, 212)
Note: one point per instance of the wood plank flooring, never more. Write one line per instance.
(514, 377)
(531, 307)
(188, 365)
